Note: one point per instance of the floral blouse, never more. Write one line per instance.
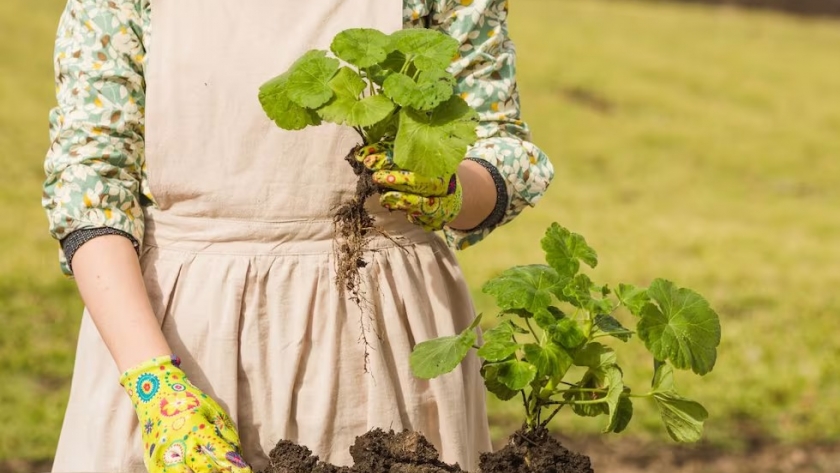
(95, 172)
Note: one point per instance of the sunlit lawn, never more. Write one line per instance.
(695, 144)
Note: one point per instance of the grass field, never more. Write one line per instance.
(701, 145)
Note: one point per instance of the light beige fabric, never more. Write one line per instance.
(238, 258)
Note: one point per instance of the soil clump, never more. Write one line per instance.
(378, 451)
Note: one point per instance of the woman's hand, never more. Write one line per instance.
(183, 429)
(429, 201)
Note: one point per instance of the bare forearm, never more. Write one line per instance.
(479, 195)
(111, 284)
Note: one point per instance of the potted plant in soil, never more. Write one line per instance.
(395, 91)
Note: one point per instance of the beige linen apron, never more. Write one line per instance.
(238, 258)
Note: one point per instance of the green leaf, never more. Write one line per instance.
(347, 83)
(490, 373)
(428, 49)
(498, 349)
(288, 115)
(592, 379)
(521, 313)
(663, 377)
(550, 360)
(346, 108)
(434, 143)
(609, 325)
(683, 418)
(391, 65)
(615, 388)
(524, 287)
(549, 317)
(438, 356)
(565, 250)
(567, 333)
(601, 361)
(623, 415)
(431, 89)
(501, 332)
(516, 374)
(383, 130)
(362, 47)
(632, 297)
(579, 291)
(595, 356)
(681, 327)
(309, 79)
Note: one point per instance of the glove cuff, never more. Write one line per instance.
(144, 381)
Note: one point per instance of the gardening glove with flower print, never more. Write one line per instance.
(183, 429)
(429, 201)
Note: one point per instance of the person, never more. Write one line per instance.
(200, 238)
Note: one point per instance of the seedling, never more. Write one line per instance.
(396, 92)
(555, 318)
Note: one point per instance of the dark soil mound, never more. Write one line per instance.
(536, 452)
(374, 452)
(409, 452)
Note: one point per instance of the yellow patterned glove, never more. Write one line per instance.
(431, 202)
(183, 429)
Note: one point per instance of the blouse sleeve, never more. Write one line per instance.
(94, 165)
(486, 72)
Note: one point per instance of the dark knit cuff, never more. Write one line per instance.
(502, 201)
(72, 242)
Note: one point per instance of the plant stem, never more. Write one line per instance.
(408, 60)
(605, 334)
(577, 403)
(370, 82)
(531, 328)
(360, 132)
(581, 390)
(545, 423)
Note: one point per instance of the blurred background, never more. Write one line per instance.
(696, 141)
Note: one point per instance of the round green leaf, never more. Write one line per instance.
(438, 356)
(347, 83)
(428, 48)
(683, 418)
(550, 360)
(431, 89)
(497, 349)
(490, 373)
(288, 115)
(680, 327)
(567, 333)
(353, 112)
(435, 143)
(565, 250)
(309, 80)
(362, 47)
(515, 374)
(525, 287)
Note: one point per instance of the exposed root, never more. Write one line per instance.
(354, 228)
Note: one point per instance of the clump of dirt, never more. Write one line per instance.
(376, 451)
(534, 452)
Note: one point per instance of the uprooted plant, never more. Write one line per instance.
(548, 350)
(396, 92)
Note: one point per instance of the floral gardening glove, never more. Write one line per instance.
(183, 429)
(429, 201)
